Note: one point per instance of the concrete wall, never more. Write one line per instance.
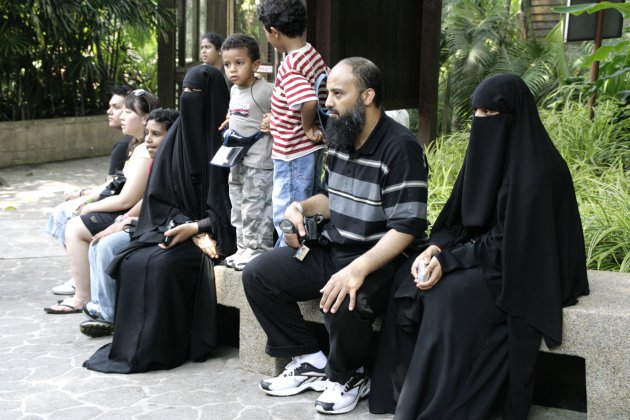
(39, 141)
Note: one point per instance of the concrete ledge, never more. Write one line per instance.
(596, 329)
(49, 140)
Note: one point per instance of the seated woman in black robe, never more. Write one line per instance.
(166, 298)
(506, 254)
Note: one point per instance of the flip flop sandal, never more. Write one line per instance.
(60, 312)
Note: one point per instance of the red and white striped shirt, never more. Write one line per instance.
(295, 84)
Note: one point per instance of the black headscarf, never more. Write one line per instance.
(543, 265)
(183, 185)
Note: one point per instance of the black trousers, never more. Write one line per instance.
(275, 282)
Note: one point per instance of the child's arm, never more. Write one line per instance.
(309, 112)
(264, 124)
(226, 122)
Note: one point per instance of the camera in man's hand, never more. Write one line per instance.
(312, 226)
(168, 239)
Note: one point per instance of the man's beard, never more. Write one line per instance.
(342, 131)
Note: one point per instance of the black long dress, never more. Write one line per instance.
(512, 256)
(166, 299)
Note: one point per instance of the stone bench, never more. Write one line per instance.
(597, 329)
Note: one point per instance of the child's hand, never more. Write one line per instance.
(314, 134)
(264, 124)
(224, 124)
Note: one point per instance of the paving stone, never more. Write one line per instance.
(77, 413)
(47, 402)
(221, 411)
(169, 413)
(116, 396)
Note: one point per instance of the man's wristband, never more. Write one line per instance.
(298, 206)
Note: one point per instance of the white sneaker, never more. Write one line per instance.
(338, 398)
(297, 377)
(64, 289)
(247, 256)
(229, 261)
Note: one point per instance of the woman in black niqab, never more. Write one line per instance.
(166, 298)
(506, 254)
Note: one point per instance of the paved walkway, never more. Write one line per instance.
(41, 375)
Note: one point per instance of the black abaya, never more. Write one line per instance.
(155, 311)
(512, 256)
(166, 298)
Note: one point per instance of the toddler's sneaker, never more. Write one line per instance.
(338, 398)
(92, 310)
(229, 261)
(297, 377)
(247, 256)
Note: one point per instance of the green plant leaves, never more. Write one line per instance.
(578, 9)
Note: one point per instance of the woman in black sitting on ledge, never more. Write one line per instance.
(166, 299)
(506, 254)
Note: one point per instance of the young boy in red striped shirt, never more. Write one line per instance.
(297, 137)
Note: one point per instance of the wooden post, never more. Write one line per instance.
(429, 70)
(599, 27)
(195, 31)
(166, 62)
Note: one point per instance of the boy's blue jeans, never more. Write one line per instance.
(103, 287)
(295, 180)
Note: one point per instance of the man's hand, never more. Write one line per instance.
(297, 218)
(345, 282)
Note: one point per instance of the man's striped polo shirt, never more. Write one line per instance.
(379, 187)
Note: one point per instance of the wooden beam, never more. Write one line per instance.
(166, 61)
(217, 16)
(181, 31)
(320, 12)
(195, 31)
(429, 70)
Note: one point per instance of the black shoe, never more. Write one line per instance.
(96, 328)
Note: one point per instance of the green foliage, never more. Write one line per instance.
(61, 57)
(598, 155)
(590, 8)
(614, 56)
(604, 200)
(481, 38)
(445, 156)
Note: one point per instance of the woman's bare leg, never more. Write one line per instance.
(78, 239)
